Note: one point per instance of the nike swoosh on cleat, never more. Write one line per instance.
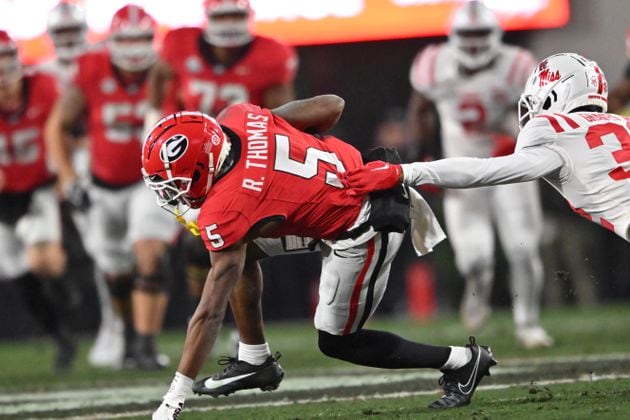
(213, 384)
(468, 386)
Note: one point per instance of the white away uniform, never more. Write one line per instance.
(472, 110)
(584, 156)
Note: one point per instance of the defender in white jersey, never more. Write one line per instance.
(474, 82)
(566, 138)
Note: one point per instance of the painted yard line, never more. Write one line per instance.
(33, 403)
(404, 394)
(40, 402)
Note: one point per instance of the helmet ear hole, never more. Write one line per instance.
(547, 104)
(196, 175)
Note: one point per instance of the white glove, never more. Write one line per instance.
(168, 411)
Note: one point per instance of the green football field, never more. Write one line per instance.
(585, 375)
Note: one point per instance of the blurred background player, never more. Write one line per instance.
(31, 254)
(129, 234)
(67, 29)
(206, 69)
(474, 82)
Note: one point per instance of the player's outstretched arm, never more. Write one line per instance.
(205, 323)
(313, 115)
(461, 172)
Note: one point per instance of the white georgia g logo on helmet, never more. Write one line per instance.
(174, 148)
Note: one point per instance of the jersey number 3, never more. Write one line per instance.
(594, 137)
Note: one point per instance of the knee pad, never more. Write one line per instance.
(336, 346)
(119, 286)
(154, 283)
(158, 280)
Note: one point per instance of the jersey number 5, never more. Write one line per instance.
(594, 137)
(215, 239)
(310, 167)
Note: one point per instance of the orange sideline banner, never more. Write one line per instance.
(314, 22)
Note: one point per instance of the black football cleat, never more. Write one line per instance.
(460, 384)
(241, 375)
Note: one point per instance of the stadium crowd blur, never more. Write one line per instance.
(584, 264)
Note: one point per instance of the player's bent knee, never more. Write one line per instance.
(336, 346)
(154, 283)
(478, 268)
(120, 286)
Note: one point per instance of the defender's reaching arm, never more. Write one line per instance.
(461, 172)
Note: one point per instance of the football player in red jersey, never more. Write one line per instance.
(209, 68)
(30, 232)
(253, 173)
(129, 239)
(67, 29)
(221, 64)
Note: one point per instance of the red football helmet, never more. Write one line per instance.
(229, 22)
(180, 158)
(10, 66)
(131, 39)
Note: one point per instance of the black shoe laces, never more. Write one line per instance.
(228, 362)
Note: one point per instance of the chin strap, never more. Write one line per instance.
(191, 226)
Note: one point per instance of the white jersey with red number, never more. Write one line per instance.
(471, 108)
(596, 178)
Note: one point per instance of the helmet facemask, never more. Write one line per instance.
(133, 53)
(475, 48)
(229, 23)
(475, 35)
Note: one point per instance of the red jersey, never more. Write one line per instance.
(209, 87)
(115, 119)
(22, 145)
(281, 174)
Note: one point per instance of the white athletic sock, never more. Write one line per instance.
(459, 357)
(254, 354)
(180, 387)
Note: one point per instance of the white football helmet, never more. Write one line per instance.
(10, 66)
(130, 39)
(229, 22)
(475, 35)
(67, 28)
(562, 83)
